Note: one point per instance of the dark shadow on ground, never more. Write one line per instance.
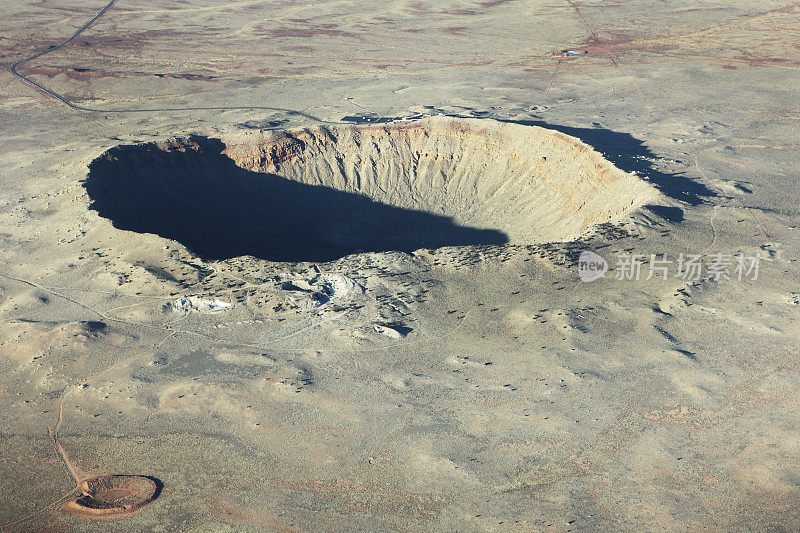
(668, 213)
(197, 196)
(631, 155)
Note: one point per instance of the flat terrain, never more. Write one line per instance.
(466, 388)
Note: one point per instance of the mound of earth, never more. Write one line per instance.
(319, 193)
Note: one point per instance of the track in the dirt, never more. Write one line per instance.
(61, 98)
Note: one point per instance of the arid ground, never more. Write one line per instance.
(288, 266)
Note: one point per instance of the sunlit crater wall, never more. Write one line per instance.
(534, 184)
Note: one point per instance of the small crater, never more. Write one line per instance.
(113, 496)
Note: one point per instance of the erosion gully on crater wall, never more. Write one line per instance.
(320, 193)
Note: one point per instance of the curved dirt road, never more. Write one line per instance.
(66, 101)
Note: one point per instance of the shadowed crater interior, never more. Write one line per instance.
(321, 193)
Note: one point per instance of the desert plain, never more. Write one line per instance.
(288, 266)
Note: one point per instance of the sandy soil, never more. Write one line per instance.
(477, 386)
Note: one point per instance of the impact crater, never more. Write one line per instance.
(323, 192)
